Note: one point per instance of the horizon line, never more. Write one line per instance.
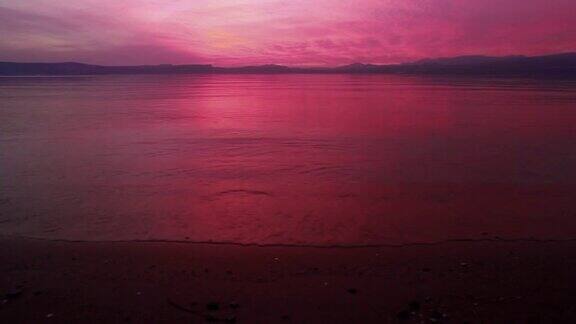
(300, 66)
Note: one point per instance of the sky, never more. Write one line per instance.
(289, 32)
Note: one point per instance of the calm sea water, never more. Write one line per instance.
(287, 159)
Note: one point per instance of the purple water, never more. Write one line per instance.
(287, 159)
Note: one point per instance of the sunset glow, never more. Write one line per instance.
(297, 32)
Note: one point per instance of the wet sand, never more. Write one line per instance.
(491, 281)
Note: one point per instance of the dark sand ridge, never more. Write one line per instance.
(490, 281)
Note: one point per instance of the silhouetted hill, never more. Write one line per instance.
(358, 67)
(554, 65)
(467, 60)
(7, 68)
(557, 65)
(268, 68)
(70, 68)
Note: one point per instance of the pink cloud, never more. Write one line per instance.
(233, 32)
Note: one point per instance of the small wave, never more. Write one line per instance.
(243, 191)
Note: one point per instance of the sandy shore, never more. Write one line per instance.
(453, 282)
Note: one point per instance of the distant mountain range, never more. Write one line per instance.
(557, 65)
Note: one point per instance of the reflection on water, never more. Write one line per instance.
(289, 159)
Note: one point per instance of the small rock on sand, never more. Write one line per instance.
(213, 306)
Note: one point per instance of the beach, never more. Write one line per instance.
(487, 281)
